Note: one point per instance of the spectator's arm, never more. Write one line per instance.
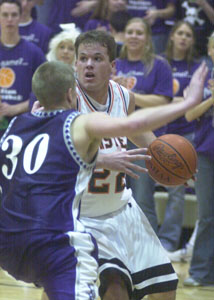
(207, 8)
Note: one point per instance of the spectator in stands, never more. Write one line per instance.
(117, 23)
(102, 13)
(155, 12)
(200, 13)
(60, 13)
(19, 60)
(32, 30)
(61, 46)
(180, 53)
(202, 265)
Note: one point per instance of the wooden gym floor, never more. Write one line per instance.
(11, 289)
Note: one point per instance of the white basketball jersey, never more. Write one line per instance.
(107, 190)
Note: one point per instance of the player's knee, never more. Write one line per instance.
(171, 295)
(114, 286)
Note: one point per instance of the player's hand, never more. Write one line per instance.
(194, 93)
(124, 161)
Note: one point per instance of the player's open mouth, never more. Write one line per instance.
(89, 75)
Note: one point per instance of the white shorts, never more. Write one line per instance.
(127, 242)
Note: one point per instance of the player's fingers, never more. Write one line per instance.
(139, 157)
(137, 151)
(136, 168)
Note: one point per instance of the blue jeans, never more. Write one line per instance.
(202, 264)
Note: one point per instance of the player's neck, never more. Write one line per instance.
(10, 39)
(98, 96)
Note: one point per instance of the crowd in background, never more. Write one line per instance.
(160, 45)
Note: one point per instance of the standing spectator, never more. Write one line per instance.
(19, 60)
(32, 30)
(155, 13)
(150, 78)
(102, 13)
(202, 264)
(199, 13)
(60, 13)
(180, 53)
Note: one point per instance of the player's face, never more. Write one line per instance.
(9, 17)
(135, 37)
(65, 52)
(115, 5)
(182, 38)
(93, 68)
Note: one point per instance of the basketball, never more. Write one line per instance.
(174, 160)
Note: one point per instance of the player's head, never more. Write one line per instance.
(211, 46)
(61, 46)
(52, 83)
(97, 37)
(27, 6)
(10, 14)
(95, 54)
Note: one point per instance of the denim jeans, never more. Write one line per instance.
(202, 264)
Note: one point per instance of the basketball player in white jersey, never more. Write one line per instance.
(132, 262)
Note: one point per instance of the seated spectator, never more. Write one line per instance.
(155, 12)
(199, 13)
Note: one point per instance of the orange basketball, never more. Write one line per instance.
(174, 160)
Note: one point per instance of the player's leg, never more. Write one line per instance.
(163, 296)
(116, 288)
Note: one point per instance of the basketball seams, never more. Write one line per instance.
(170, 146)
(169, 171)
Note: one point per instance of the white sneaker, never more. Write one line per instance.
(181, 255)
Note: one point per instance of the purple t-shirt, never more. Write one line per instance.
(37, 33)
(17, 66)
(182, 74)
(204, 134)
(95, 23)
(138, 8)
(194, 14)
(158, 81)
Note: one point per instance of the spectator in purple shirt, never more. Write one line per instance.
(30, 29)
(19, 60)
(102, 13)
(202, 264)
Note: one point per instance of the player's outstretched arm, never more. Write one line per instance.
(89, 129)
